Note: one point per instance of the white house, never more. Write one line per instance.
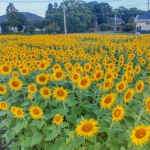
(143, 23)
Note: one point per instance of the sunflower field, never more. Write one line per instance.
(75, 92)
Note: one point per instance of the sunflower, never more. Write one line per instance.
(99, 75)
(58, 75)
(32, 88)
(15, 84)
(45, 92)
(147, 103)
(118, 113)
(36, 112)
(140, 135)
(58, 119)
(121, 86)
(108, 84)
(139, 86)
(87, 67)
(19, 113)
(60, 93)
(87, 128)
(42, 79)
(13, 109)
(108, 100)
(5, 69)
(128, 95)
(75, 77)
(15, 74)
(138, 69)
(84, 82)
(25, 71)
(3, 89)
(3, 105)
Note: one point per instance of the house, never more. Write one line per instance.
(143, 23)
(29, 16)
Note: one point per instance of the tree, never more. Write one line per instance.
(15, 18)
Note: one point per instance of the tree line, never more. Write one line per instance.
(81, 17)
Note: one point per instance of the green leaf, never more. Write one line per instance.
(36, 138)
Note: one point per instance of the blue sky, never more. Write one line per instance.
(40, 8)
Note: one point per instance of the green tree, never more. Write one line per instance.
(15, 18)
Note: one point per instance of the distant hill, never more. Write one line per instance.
(29, 17)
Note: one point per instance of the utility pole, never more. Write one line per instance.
(65, 22)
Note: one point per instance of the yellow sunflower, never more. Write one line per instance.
(139, 86)
(108, 100)
(25, 71)
(15, 74)
(3, 89)
(42, 78)
(60, 93)
(58, 75)
(5, 69)
(75, 77)
(140, 135)
(13, 109)
(147, 104)
(118, 113)
(84, 82)
(15, 84)
(58, 119)
(108, 84)
(36, 112)
(45, 92)
(3, 105)
(87, 128)
(18, 112)
(121, 86)
(128, 95)
(32, 88)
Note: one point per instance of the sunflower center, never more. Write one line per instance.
(32, 88)
(46, 92)
(121, 86)
(3, 105)
(5, 69)
(84, 82)
(140, 133)
(36, 111)
(58, 74)
(98, 75)
(128, 95)
(1, 89)
(42, 78)
(148, 104)
(60, 93)
(57, 118)
(117, 113)
(87, 127)
(19, 112)
(15, 83)
(107, 100)
(75, 76)
(24, 70)
(139, 86)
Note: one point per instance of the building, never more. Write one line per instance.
(143, 23)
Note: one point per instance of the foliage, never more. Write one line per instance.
(106, 27)
(128, 27)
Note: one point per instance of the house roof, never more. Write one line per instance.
(145, 16)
